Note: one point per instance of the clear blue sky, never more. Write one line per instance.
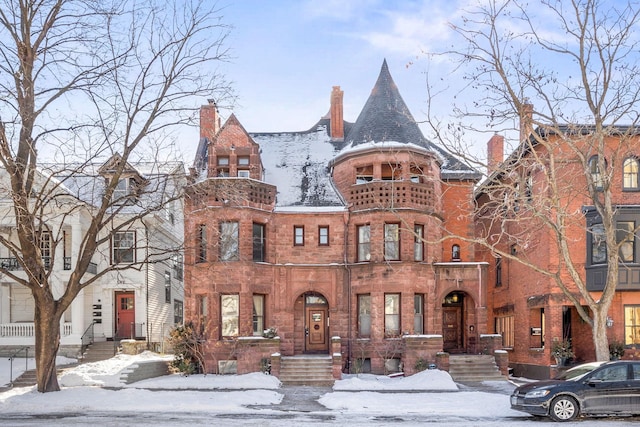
(287, 55)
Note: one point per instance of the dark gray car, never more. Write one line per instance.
(598, 388)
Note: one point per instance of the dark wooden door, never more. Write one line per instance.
(316, 330)
(125, 315)
(451, 329)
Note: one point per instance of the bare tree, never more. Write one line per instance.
(84, 81)
(568, 72)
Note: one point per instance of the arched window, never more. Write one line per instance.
(630, 174)
(455, 252)
(595, 172)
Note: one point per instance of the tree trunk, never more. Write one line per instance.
(47, 330)
(600, 340)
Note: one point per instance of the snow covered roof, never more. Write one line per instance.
(299, 163)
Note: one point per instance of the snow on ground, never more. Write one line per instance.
(9, 371)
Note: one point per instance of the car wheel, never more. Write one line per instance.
(564, 408)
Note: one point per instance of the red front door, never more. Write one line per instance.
(125, 315)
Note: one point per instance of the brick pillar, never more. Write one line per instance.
(442, 361)
(336, 358)
(275, 364)
(502, 360)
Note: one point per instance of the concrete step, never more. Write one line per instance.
(474, 368)
(99, 351)
(306, 370)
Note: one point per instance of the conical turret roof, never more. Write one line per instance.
(385, 116)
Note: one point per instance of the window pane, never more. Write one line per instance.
(259, 242)
(627, 238)
(595, 172)
(630, 174)
(598, 245)
(258, 315)
(632, 324)
(418, 322)
(418, 245)
(364, 315)
(364, 243)
(201, 243)
(391, 242)
(123, 243)
(229, 246)
(392, 314)
(298, 235)
(323, 236)
(229, 307)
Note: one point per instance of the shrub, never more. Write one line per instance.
(188, 358)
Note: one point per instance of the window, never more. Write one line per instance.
(596, 175)
(364, 315)
(418, 314)
(178, 312)
(243, 173)
(391, 242)
(630, 174)
(123, 247)
(243, 161)
(122, 189)
(178, 266)
(223, 166)
(505, 327)
(598, 245)
(455, 252)
(391, 172)
(418, 242)
(202, 311)
(201, 243)
(626, 238)
(631, 324)
(391, 315)
(258, 315)
(230, 311)
(498, 272)
(167, 287)
(415, 174)
(323, 235)
(364, 174)
(364, 243)
(528, 188)
(259, 242)
(229, 243)
(298, 235)
(45, 248)
(611, 373)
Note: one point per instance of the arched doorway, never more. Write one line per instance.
(314, 317)
(453, 323)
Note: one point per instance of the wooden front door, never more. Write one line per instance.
(125, 315)
(451, 329)
(316, 330)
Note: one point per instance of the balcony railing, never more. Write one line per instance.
(12, 264)
(27, 329)
(393, 195)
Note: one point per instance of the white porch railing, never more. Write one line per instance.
(27, 329)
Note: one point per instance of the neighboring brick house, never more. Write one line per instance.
(528, 308)
(342, 237)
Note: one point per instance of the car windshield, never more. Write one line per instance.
(578, 372)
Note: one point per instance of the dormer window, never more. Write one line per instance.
(223, 166)
(122, 190)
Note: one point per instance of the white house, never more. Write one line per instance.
(136, 281)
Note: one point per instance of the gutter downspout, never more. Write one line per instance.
(146, 278)
(348, 269)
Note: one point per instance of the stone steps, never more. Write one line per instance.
(99, 351)
(474, 368)
(306, 370)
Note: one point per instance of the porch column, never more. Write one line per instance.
(77, 315)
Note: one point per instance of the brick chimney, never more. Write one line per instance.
(526, 120)
(336, 114)
(495, 153)
(209, 120)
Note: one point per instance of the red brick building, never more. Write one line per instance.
(343, 237)
(527, 307)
